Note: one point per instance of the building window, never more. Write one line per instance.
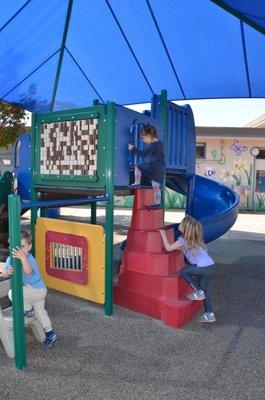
(260, 181)
(200, 150)
(261, 155)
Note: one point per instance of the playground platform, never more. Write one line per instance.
(132, 356)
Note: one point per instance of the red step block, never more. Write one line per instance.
(143, 198)
(149, 241)
(147, 219)
(156, 286)
(175, 313)
(153, 263)
(149, 281)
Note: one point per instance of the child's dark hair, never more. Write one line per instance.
(149, 130)
(27, 236)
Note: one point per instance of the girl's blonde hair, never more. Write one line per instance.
(192, 232)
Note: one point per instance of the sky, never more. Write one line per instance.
(220, 112)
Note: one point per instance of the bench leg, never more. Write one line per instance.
(37, 330)
(6, 337)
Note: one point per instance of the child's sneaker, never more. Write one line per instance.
(29, 313)
(207, 317)
(196, 295)
(154, 206)
(51, 337)
(134, 186)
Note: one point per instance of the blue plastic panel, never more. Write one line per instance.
(22, 161)
(181, 137)
(123, 134)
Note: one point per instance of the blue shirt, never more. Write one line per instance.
(34, 279)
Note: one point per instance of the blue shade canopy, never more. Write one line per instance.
(65, 53)
(250, 11)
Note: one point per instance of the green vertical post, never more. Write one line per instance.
(93, 216)
(109, 209)
(164, 119)
(60, 61)
(14, 210)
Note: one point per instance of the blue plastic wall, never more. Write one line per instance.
(127, 129)
(181, 137)
(22, 165)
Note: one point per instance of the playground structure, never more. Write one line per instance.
(81, 157)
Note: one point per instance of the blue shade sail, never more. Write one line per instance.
(74, 89)
(251, 11)
(35, 92)
(126, 51)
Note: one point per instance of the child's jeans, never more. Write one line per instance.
(36, 298)
(199, 278)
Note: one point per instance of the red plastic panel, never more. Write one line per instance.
(67, 256)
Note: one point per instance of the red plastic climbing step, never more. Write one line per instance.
(149, 281)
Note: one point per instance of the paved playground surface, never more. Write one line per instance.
(132, 356)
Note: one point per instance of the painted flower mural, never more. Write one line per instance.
(227, 175)
(241, 166)
(237, 148)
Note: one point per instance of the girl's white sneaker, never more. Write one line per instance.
(196, 295)
(207, 317)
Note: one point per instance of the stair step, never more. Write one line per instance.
(149, 281)
(153, 263)
(157, 286)
(143, 198)
(147, 220)
(175, 313)
(150, 241)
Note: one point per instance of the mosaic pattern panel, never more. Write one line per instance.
(69, 148)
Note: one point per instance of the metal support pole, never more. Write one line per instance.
(109, 209)
(164, 119)
(93, 217)
(34, 196)
(14, 211)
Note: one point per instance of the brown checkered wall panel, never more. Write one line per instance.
(69, 148)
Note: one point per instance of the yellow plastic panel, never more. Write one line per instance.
(94, 234)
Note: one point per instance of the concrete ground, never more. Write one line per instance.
(132, 356)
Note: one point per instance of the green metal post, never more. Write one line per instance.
(14, 210)
(164, 119)
(109, 209)
(93, 217)
(59, 67)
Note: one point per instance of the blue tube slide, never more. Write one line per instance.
(214, 205)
